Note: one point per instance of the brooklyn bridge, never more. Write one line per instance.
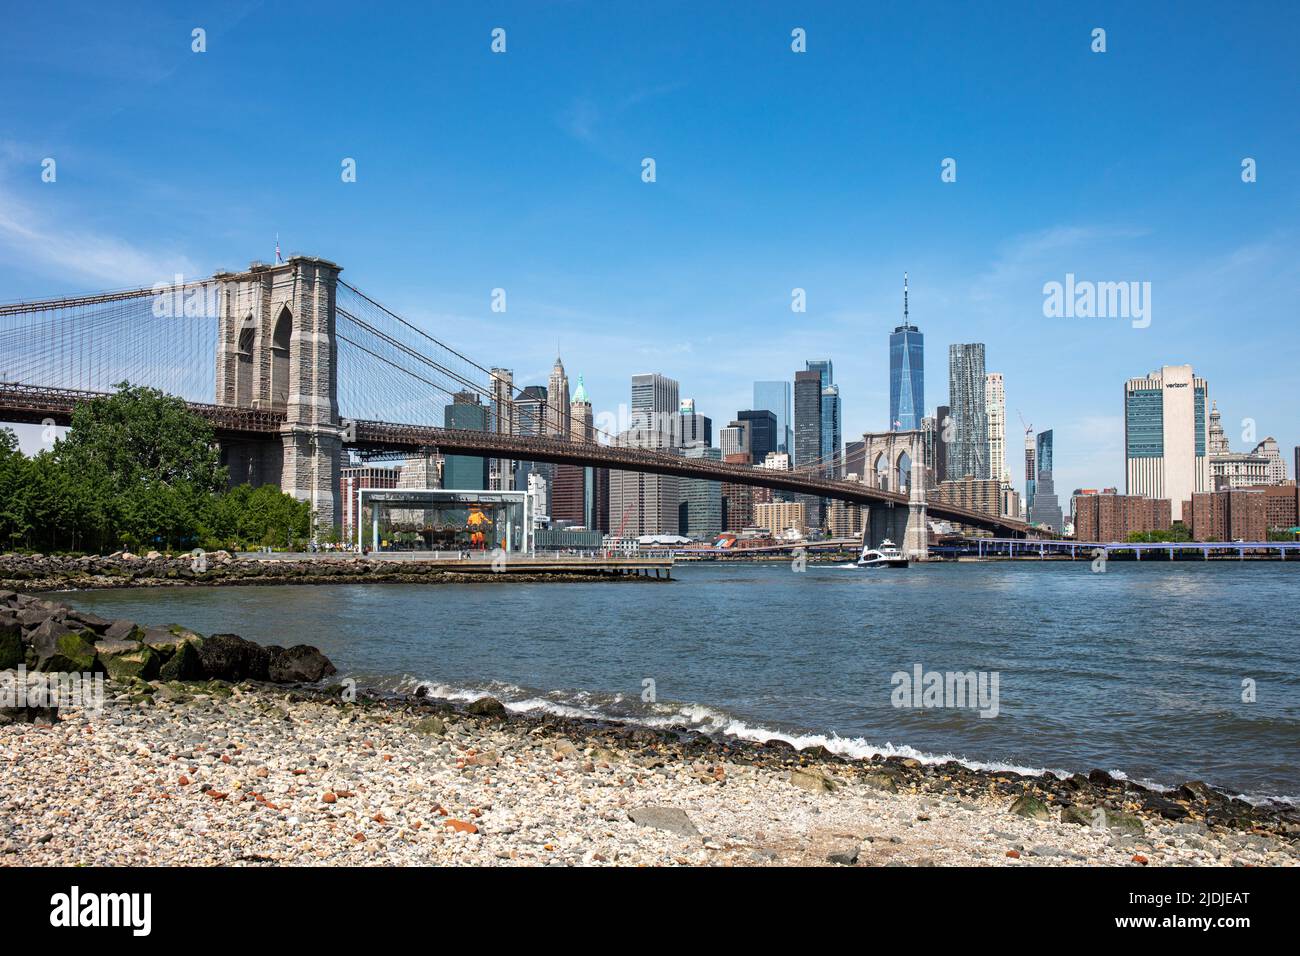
(292, 366)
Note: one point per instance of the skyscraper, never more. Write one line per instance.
(808, 432)
(1046, 509)
(699, 514)
(654, 401)
(530, 420)
(968, 455)
(906, 373)
(572, 491)
(762, 432)
(502, 422)
(1166, 436)
(943, 438)
(557, 390)
(775, 397)
(1031, 470)
(995, 409)
(830, 414)
(465, 472)
(692, 428)
(734, 440)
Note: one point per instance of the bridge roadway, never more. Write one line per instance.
(24, 403)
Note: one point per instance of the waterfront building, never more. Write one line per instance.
(699, 515)
(1166, 436)
(979, 494)
(1238, 514)
(843, 518)
(1107, 516)
(778, 516)
(1046, 510)
(775, 397)
(654, 401)
(557, 390)
(762, 431)
(968, 454)
(906, 373)
(995, 410)
(538, 500)
(465, 472)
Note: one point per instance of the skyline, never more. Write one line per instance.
(825, 176)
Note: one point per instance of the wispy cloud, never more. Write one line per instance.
(38, 241)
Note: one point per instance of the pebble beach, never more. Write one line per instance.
(244, 774)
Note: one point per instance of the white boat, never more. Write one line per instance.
(886, 556)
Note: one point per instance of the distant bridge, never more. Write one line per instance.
(291, 365)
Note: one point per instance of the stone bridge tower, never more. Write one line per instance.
(898, 461)
(276, 351)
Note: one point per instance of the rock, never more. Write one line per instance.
(431, 726)
(230, 657)
(808, 778)
(127, 659)
(1100, 778)
(1031, 807)
(880, 781)
(67, 651)
(301, 663)
(845, 855)
(166, 642)
(185, 664)
(664, 818)
(12, 654)
(84, 619)
(1200, 792)
(1123, 822)
(1077, 815)
(123, 630)
(486, 707)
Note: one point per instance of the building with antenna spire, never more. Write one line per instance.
(906, 373)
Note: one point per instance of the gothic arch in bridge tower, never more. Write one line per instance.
(276, 352)
(281, 345)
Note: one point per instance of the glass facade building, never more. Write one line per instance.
(906, 378)
(968, 453)
(775, 397)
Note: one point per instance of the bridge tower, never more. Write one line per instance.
(897, 461)
(276, 351)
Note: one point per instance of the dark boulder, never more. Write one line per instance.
(59, 648)
(11, 645)
(299, 664)
(486, 707)
(185, 664)
(230, 657)
(84, 620)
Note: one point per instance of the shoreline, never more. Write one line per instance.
(34, 573)
(247, 773)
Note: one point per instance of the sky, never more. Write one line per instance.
(774, 171)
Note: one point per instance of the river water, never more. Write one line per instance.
(1140, 670)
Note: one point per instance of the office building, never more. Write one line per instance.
(1046, 510)
(943, 433)
(808, 434)
(855, 458)
(557, 390)
(1166, 436)
(654, 401)
(699, 514)
(775, 397)
(501, 475)
(762, 432)
(843, 518)
(968, 454)
(906, 373)
(692, 428)
(641, 502)
(465, 472)
(1031, 470)
(530, 420)
(734, 440)
(832, 451)
(995, 411)
(979, 494)
(737, 499)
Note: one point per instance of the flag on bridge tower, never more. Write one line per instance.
(278, 258)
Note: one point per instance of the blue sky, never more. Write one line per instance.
(775, 170)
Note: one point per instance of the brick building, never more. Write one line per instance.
(1108, 516)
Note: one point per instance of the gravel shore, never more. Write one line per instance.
(243, 774)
